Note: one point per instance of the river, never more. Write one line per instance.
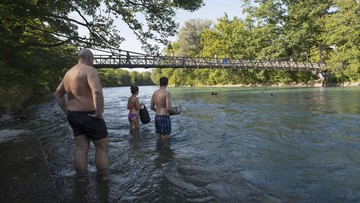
(241, 145)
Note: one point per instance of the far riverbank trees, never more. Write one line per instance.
(304, 31)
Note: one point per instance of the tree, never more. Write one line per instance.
(187, 45)
(227, 39)
(188, 38)
(293, 27)
(280, 30)
(117, 77)
(39, 39)
(342, 34)
(50, 23)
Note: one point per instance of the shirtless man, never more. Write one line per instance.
(161, 104)
(84, 107)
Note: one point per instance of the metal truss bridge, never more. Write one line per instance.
(145, 61)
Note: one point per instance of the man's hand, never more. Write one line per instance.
(98, 116)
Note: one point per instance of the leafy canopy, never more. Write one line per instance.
(50, 23)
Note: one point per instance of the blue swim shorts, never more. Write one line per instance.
(163, 125)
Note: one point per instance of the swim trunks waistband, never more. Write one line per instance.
(162, 116)
(84, 124)
(81, 112)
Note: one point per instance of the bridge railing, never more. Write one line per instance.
(143, 61)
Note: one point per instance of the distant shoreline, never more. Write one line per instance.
(310, 84)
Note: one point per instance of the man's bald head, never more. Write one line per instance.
(85, 54)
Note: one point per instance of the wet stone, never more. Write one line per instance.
(24, 174)
(6, 119)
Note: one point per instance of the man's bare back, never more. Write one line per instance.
(83, 90)
(77, 88)
(161, 102)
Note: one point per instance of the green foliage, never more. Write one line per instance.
(228, 39)
(309, 31)
(15, 89)
(189, 38)
(39, 40)
(343, 31)
(118, 77)
(50, 23)
(37, 72)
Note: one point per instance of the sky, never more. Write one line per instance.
(212, 10)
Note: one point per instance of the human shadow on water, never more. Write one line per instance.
(102, 189)
(81, 189)
(88, 189)
(135, 132)
(165, 153)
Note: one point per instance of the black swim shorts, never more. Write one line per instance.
(82, 123)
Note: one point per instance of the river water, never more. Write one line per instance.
(241, 145)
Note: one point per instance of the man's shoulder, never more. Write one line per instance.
(81, 70)
(87, 67)
(84, 68)
(156, 91)
(70, 71)
(166, 92)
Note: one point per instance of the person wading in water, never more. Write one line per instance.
(84, 107)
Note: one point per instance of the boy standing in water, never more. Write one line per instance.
(84, 107)
(161, 104)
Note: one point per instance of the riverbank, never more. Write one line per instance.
(294, 84)
(6, 119)
(24, 173)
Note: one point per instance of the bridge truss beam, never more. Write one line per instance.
(143, 61)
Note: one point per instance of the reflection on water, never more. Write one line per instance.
(165, 153)
(241, 145)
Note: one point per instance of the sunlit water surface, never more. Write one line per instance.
(242, 145)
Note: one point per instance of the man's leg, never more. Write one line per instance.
(164, 137)
(101, 155)
(82, 145)
(158, 136)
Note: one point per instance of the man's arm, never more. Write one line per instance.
(168, 102)
(98, 97)
(152, 103)
(60, 96)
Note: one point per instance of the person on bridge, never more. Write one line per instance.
(84, 107)
(161, 104)
(128, 58)
(134, 106)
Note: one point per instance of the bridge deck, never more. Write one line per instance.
(122, 61)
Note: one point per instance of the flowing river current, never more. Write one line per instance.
(241, 145)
